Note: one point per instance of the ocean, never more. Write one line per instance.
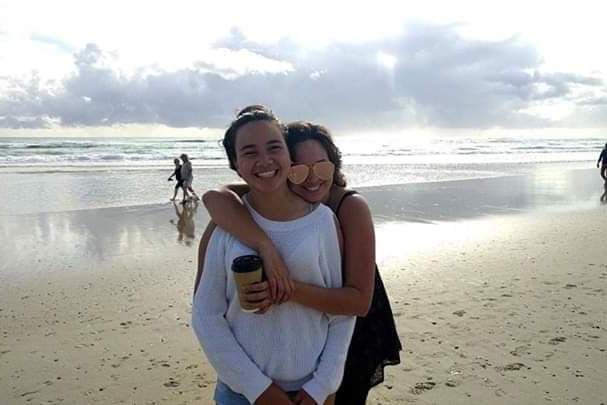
(64, 174)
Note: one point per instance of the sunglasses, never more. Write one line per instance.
(300, 172)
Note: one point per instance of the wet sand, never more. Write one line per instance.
(95, 308)
(497, 301)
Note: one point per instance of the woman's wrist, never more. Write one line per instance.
(264, 245)
(294, 297)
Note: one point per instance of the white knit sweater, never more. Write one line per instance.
(291, 345)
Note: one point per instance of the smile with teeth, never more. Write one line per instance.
(313, 188)
(268, 174)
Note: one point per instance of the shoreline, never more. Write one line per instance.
(62, 191)
(420, 203)
(491, 193)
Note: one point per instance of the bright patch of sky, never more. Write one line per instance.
(531, 64)
(173, 29)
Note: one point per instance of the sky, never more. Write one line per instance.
(153, 67)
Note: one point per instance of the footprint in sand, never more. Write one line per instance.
(421, 387)
(520, 350)
(512, 367)
(557, 340)
(28, 393)
(171, 383)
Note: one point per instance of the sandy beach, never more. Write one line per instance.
(498, 301)
(505, 311)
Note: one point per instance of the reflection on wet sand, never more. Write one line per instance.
(98, 235)
(468, 199)
(185, 222)
(95, 236)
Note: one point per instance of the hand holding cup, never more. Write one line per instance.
(247, 270)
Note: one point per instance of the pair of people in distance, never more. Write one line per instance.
(184, 175)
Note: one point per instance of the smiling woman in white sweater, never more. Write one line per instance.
(291, 353)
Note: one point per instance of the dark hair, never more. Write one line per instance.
(252, 108)
(301, 131)
(251, 113)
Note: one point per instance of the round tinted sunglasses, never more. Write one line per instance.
(323, 170)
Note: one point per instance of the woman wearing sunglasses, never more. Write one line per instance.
(316, 176)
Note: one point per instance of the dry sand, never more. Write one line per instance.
(496, 310)
(506, 310)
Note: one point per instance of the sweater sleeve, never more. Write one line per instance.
(233, 365)
(329, 372)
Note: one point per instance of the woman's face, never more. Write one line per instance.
(262, 157)
(313, 189)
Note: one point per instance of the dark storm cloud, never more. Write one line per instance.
(440, 79)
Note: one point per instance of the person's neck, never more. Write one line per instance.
(279, 205)
(334, 196)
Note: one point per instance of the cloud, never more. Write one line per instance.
(435, 78)
(24, 122)
(594, 101)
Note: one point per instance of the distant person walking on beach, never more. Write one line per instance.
(603, 161)
(188, 176)
(177, 175)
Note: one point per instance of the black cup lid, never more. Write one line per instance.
(246, 263)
